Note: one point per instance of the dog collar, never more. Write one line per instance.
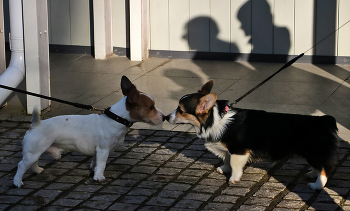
(117, 118)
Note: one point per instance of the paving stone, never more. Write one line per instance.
(212, 182)
(191, 172)
(187, 179)
(100, 205)
(123, 207)
(323, 206)
(10, 199)
(153, 208)
(226, 198)
(78, 195)
(150, 184)
(188, 204)
(118, 190)
(126, 161)
(251, 208)
(133, 199)
(258, 201)
(142, 192)
(25, 207)
(159, 157)
(144, 169)
(125, 182)
(198, 196)
(218, 206)
(273, 185)
(291, 204)
(236, 191)
(168, 171)
(266, 193)
(179, 165)
(298, 196)
(158, 201)
(170, 194)
(206, 188)
(177, 186)
(252, 177)
(67, 202)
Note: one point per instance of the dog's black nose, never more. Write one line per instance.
(166, 118)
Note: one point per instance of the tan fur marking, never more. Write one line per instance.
(224, 145)
(323, 172)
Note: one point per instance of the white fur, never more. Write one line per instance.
(219, 125)
(94, 135)
(320, 182)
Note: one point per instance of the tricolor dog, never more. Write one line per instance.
(94, 135)
(237, 135)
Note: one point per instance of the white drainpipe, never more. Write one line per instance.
(15, 72)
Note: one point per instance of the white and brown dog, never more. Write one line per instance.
(235, 135)
(94, 135)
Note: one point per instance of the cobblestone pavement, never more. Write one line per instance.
(162, 170)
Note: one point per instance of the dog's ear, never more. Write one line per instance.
(126, 85)
(133, 96)
(206, 103)
(206, 88)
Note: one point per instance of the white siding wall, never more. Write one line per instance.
(238, 26)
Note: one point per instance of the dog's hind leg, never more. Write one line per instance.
(227, 166)
(36, 168)
(237, 164)
(312, 174)
(219, 150)
(320, 182)
(28, 160)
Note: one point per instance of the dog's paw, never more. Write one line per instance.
(99, 178)
(235, 178)
(38, 170)
(315, 186)
(18, 184)
(223, 169)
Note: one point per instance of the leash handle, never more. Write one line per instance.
(264, 81)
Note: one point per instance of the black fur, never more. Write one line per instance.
(279, 135)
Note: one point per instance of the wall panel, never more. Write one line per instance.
(304, 26)
(241, 26)
(179, 16)
(344, 32)
(283, 38)
(198, 27)
(80, 22)
(60, 22)
(220, 33)
(159, 24)
(326, 23)
(119, 24)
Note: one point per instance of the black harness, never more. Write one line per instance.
(117, 118)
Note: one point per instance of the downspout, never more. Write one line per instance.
(15, 72)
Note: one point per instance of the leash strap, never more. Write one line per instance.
(77, 105)
(117, 118)
(264, 81)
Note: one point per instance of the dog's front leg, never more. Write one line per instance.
(100, 164)
(237, 164)
(226, 168)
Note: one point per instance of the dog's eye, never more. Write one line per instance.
(179, 110)
(151, 107)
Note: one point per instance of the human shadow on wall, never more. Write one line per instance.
(227, 73)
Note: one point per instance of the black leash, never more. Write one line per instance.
(264, 81)
(77, 105)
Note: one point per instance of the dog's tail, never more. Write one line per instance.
(35, 118)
